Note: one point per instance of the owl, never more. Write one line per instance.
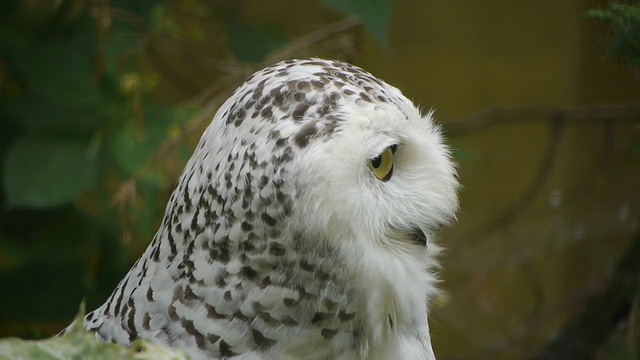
(301, 228)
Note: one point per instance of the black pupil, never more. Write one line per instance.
(377, 161)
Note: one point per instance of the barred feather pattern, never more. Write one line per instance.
(280, 243)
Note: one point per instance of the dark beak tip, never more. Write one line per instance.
(420, 237)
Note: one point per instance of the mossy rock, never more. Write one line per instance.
(77, 343)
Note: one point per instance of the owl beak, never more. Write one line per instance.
(420, 237)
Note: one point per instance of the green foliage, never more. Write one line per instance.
(624, 26)
(90, 146)
(68, 80)
(375, 14)
(45, 172)
(68, 94)
(132, 147)
(251, 43)
(77, 343)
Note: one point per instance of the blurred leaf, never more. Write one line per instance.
(251, 43)
(624, 26)
(56, 73)
(132, 147)
(43, 173)
(50, 117)
(162, 23)
(375, 14)
(121, 54)
(9, 7)
(146, 215)
(62, 72)
(143, 9)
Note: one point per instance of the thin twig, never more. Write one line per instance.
(315, 37)
(557, 117)
(537, 182)
(497, 116)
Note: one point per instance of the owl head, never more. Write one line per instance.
(329, 150)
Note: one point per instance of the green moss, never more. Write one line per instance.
(77, 343)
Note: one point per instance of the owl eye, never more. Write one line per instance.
(382, 165)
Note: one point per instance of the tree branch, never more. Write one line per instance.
(537, 182)
(496, 116)
(314, 37)
(557, 118)
(603, 311)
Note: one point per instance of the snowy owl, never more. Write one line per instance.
(301, 228)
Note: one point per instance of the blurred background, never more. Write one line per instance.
(102, 102)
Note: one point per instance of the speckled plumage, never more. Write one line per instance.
(279, 243)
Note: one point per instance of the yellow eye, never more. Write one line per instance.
(382, 165)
